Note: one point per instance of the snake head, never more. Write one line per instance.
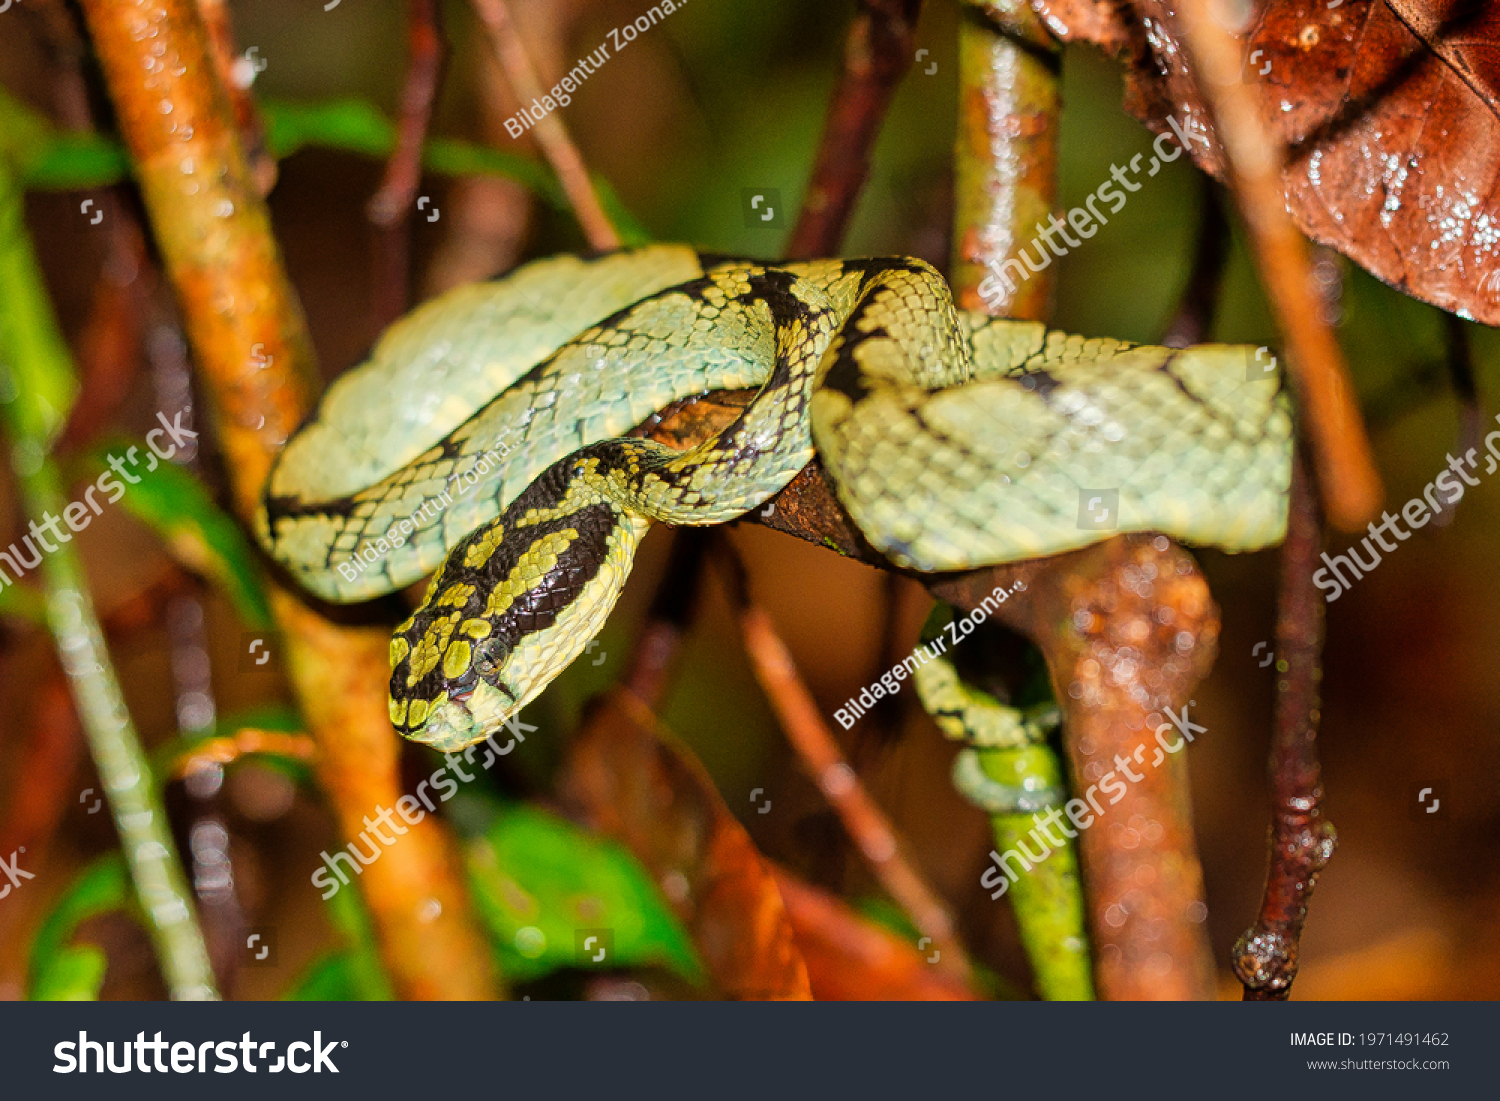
(449, 679)
(510, 608)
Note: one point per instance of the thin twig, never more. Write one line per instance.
(1302, 840)
(390, 207)
(1460, 361)
(551, 133)
(672, 607)
(1340, 447)
(814, 743)
(1194, 318)
(877, 55)
(245, 742)
(403, 171)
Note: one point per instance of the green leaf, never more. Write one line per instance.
(352, 974)
(56, 160)
(49, 159)
(23, 602)
(330, 978)
(538, 881)
(76, 974)
(63, 972)
(196, 531)
(357, 127)
(37, 383)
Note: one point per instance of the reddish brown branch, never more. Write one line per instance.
(877, 55)
(390, 207)
(256, 368)
(1128, 628)
(1302, 840)
(1004, 157)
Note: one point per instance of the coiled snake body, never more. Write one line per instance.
(483, 439)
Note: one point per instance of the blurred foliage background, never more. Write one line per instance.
(719, 98)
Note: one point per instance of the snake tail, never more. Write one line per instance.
(1008, 769)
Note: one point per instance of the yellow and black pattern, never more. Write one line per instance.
(484, 436)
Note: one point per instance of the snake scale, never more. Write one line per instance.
(484, 439)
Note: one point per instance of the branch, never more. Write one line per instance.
(252, 349)
(33, 352)
(1004, 155)
(877, 55)
(390, 207)
(1194, 318)
(1302, 840)
(1120, 654)
(1340, 448)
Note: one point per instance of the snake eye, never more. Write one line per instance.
(489, 655)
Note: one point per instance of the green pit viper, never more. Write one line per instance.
(485, 439)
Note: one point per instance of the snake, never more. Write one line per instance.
(485, 441)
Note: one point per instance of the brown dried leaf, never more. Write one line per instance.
(851, 959)
(627, 779)
(1389, 111)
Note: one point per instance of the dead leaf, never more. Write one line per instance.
(628, 779)
(1389, 112)
(850, 958)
